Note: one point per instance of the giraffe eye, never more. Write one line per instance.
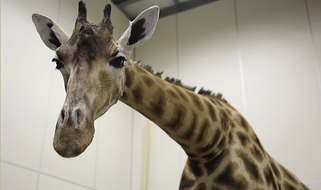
(118, 62)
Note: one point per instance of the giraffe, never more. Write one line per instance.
(223, 149)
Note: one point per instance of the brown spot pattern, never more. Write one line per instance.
(186, 183)
(257, 153)
(244, 123)
(230, 138)
(197, 101)
(137, 94)
(269, 178)
(288, 186)
(212, 165)
(178, 117)
(211, 144)
(275, 169)
(224, 120)
(289, 175)
(204, 126)
(130, 77)
(148, 81)
(229, 180)
(157, 107)
(211, 111)
(243, 138)
(195, 168)
(191, 129)
(251, 167)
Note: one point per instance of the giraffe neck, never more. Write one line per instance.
(192, 120)
(222, 147)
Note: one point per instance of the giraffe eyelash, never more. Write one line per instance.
(59, 64)
(118, 60)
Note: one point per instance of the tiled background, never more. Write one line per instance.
(264, 56)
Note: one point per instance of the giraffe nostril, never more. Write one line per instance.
(62, 114)
(78, 115)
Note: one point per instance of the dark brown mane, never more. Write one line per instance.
(178, 82)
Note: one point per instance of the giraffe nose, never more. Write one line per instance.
(72, 117)
(74, 131)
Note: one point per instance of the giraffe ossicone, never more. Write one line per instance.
(223, 150)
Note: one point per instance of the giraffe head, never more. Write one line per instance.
(92, 64)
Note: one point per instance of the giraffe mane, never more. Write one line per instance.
(202, 91)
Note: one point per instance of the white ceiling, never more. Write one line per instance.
(168, 7)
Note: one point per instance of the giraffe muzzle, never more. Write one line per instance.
(74, 132)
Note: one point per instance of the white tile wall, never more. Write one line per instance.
(24, 91)
(165, 161)
(139, 145)
(163, 55)
(114, 148)
(17, 178)
(208, 45)
(281, 81)
(52, 183)
(80, 169)
(314, 185)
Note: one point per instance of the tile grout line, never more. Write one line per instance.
(58, 16)
(240, 60)
(46, 174)
(316, 57)
(177, 73)
(131, 151)
(97, 153)
(177, 47)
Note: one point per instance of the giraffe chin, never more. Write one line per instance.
(70, 141)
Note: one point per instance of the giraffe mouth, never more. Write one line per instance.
(71, 141)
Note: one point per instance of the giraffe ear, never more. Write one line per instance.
(50, 32)
(140, 29)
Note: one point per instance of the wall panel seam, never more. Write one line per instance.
(178, 76)
(46, 174)
(316, 57)
(240, 59)
(131, 150)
